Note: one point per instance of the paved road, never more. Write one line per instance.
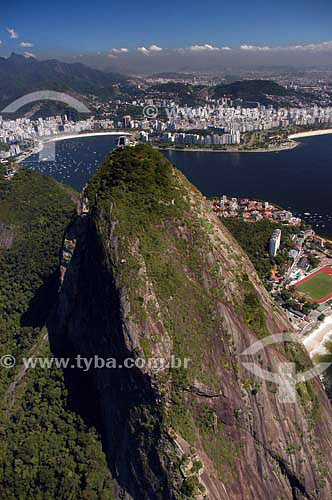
(293, 266)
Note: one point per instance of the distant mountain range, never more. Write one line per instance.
(248, 90)
(21, 75)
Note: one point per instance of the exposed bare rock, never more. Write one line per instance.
(148, 271)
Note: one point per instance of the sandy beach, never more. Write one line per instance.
(318, 337)
(59, 137)
(56, 138)
(311, 133)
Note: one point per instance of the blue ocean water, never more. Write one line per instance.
(299, 180)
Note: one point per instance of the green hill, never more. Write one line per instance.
(148, 271)
(144, 271)
(251, 90)
(191, 95)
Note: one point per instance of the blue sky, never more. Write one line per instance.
(75, 27)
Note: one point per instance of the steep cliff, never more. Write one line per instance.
(148, 271)
(47, 451)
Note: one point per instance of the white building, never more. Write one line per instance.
(144, 136)
(275, 242)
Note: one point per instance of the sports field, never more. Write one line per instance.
(317, 287)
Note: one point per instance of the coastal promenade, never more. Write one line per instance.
(292, 144)
(283, 147)
(311, 133)
(63, 137)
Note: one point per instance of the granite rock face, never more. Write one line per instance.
(148, 271)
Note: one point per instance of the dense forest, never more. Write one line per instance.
(192, 95)
(254, 239)
(252, 90)
(47, 450)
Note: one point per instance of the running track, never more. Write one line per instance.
(326, 270)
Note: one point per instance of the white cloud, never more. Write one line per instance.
(204, 49)
(143, 50)
(199, 48)
(29, 54)
(123, 50)
(155, 48)
(0, 42)
(12, 33)
(310, 47)
(254, 48)
(26, 45)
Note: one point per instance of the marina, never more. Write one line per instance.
(298, 180)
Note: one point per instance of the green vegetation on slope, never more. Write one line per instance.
(36, 209)
(183, 92)
(252, 90)
(251, 309)
(149, 201)
(20, 75)
(47, 451)
(254, 239)
(179, 284)
(158, 219)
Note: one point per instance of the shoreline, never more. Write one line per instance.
(292, 144)
(324, 239)
(56, 138)
(316, 340)
(276, 149)
(311, 133)
(289, 147)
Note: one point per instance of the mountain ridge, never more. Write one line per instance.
(21, 75)
(149, 271)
